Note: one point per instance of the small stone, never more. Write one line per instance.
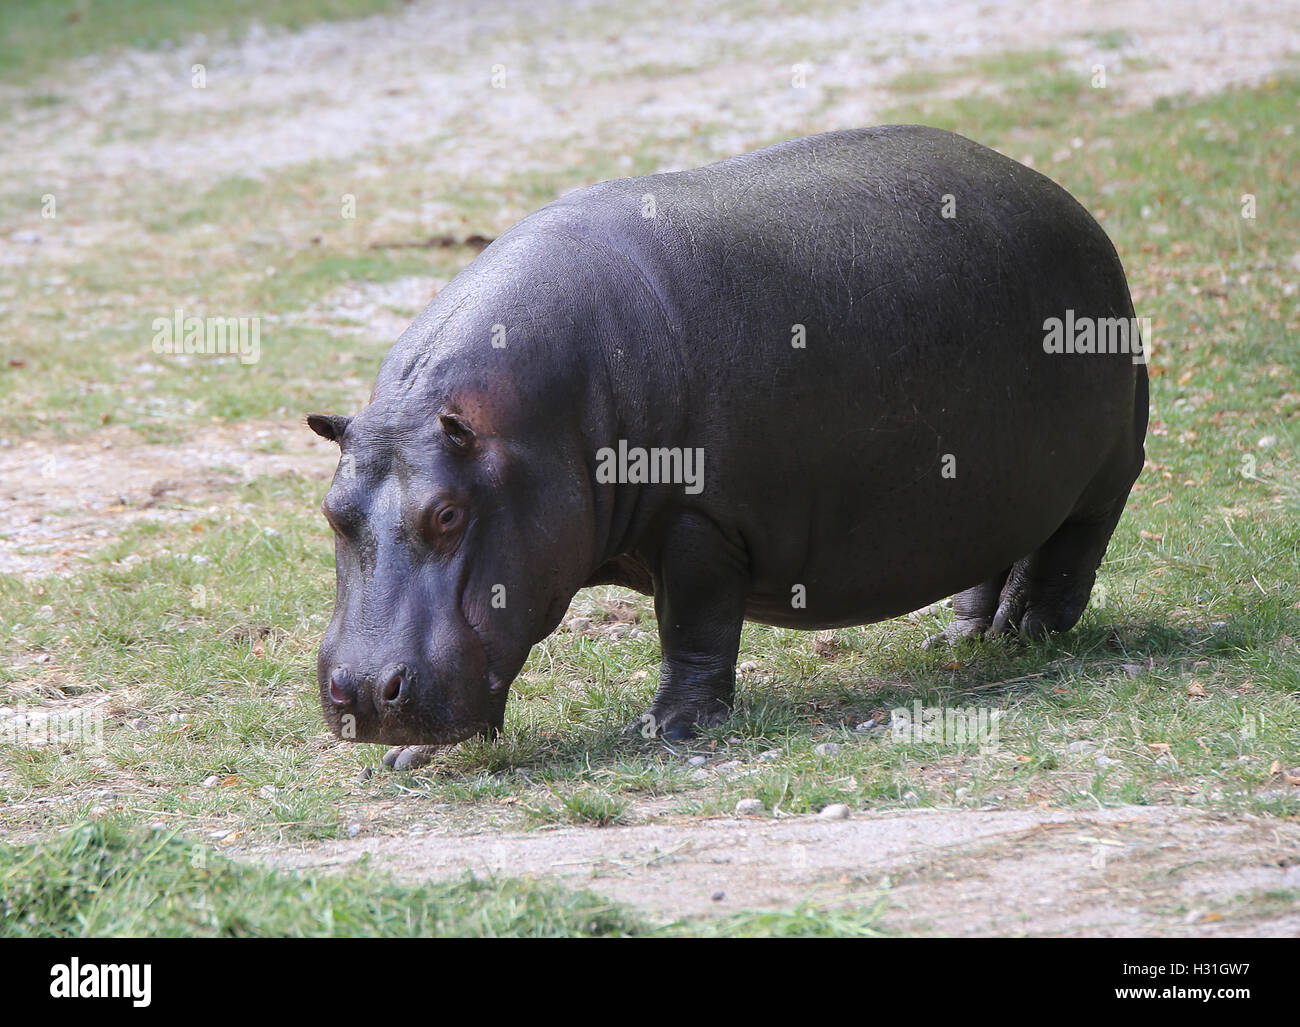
(733, 740)
(747, 806)
(354, 830)
(770, 755)
(718, 896)
(158, 825)
(1083, 745)
(139, 724)
(826, 749)
(217, 836)
(25, 236)
(748, 667)
(45, 612)
(835, 811)
(267, 791)
(698, 761)
(722, 768)
(865, 726)
(578, 624)
(961, 793)
(177, 718)
(211, 781)
(365, 775)
(442, 807)
(1132, 669)
(1106, 761)
(1267, 442)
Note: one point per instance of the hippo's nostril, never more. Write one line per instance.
(343, 689)
(391, 685)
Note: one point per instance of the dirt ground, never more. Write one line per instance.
(1130, 871)
(334, 91)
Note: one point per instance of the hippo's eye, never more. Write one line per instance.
(444, 519)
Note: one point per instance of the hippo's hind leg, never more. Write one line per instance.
(974, 610)
(1047, 591)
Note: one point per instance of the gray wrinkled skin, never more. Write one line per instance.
(824, 469)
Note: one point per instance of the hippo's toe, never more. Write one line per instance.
(408, 757)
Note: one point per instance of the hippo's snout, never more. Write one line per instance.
(384, 694)
(400, 703)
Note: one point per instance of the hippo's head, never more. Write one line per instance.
(458, 545)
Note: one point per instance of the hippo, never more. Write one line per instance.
(822, 384)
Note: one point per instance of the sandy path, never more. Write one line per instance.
(590, 72)
(1130, 871)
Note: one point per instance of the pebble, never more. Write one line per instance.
(718, 896)
(747, 806)
(835, 811)
(1106, 761)
(866, 725)
(1082, 746)
(267, 791)
(826, 749)
(698, 761)
(139, 724)
(354, 830)
(212, 781)
(25, 236)
(748, 667)
(770, 755)
(1132, 669)
(911, 798)
(365, 775)
(722, 768)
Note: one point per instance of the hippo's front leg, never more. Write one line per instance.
(700, 585)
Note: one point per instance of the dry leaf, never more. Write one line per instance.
(1153, 536)
(1195, 690)
(1160, 747)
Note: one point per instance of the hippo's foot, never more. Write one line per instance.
(408, 757)
(958, 631)
(680, 721)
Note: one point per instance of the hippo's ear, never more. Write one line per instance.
(455, 428)
(329, 426)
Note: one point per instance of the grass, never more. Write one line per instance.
(194, 633)
(109, 880)
(37, 35)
